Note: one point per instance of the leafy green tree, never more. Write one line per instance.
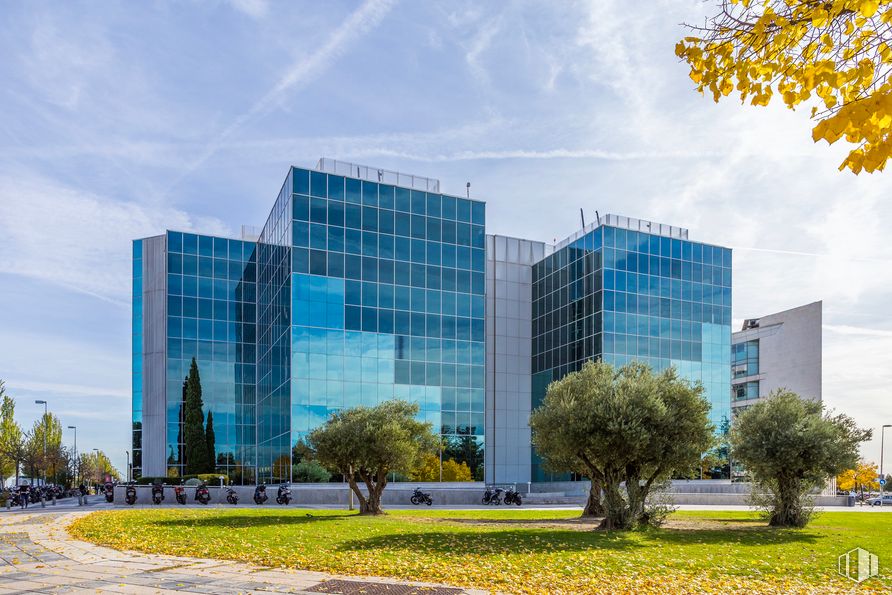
(370, 442)
(210, 440)
(195, 446)
(792, 446)
(301, 451)
(629, 430)
(309, 471)
(44, 446)
(95, 466)
(11, 442)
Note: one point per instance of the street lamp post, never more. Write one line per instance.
(128, 465)
(76, 461)
(41, 402)
(98, 479)
(882, 438)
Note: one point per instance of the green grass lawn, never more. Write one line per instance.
(515, 550)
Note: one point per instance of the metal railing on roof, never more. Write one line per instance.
(376, 174)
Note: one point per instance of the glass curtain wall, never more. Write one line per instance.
(387, 302)
(137, 359)
(660, 300)
(211, 317)
(274, 342)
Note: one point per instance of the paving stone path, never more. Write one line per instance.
(37, 555)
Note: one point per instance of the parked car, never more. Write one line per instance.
(886, 500)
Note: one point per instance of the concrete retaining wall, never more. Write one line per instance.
(468, 493)
(316, 494)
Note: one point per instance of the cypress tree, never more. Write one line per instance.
(195, 448)
(210, 439)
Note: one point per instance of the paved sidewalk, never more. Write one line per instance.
(37, 555)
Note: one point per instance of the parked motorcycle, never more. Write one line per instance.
(492, 496)
(512, 497)
(283, 496)
(130, 494)
(109, 490)
(157, 493)
(231, 496)
(260, 494)
(202, 494)
(179, 492)
(419, 497)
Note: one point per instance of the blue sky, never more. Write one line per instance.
(120, 120)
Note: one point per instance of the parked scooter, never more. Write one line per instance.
(179, 492)
(130, 494)
(157, 493)
(109, 491)
(492, 496)
(419, 497)
(284, 494)
(202, 494)
(231, 496)
(512, 497)
(260, 494)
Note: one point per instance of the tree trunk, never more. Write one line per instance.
(359, 495)
(594, 506)
(788, 510)
(372, 504)
(616, 514)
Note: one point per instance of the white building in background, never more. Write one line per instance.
(781, 350)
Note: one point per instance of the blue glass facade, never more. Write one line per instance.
(211, 317)
(623, 295)
(358, 291)
(382, 298)
(136, 420)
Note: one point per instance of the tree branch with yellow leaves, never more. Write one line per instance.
(832, 55)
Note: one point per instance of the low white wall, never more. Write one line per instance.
(466, 493)
(460, 493)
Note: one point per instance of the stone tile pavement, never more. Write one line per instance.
(37, 555)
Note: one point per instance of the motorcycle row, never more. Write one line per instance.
(202, 494)
(492, 496)
(26, 494)
(495, 496)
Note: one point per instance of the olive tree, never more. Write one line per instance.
(369, 443)
(629, 429)
(791, 446)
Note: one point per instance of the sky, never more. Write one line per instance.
(120, 120)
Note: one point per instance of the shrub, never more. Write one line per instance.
(311, 472)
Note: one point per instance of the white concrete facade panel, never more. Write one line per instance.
(509, 278)
(790, 353)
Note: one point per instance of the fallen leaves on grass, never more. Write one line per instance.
(532, 554)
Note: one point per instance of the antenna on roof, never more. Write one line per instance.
(468, 190)
(582, 216)
(599, 217)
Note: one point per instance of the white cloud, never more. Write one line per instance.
(59, 65)
(253, 8)
(78, 239)
(303, 71)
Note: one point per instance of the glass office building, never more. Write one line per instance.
(356, 292)
(633, 290)
(208, 313)
(366, 285)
